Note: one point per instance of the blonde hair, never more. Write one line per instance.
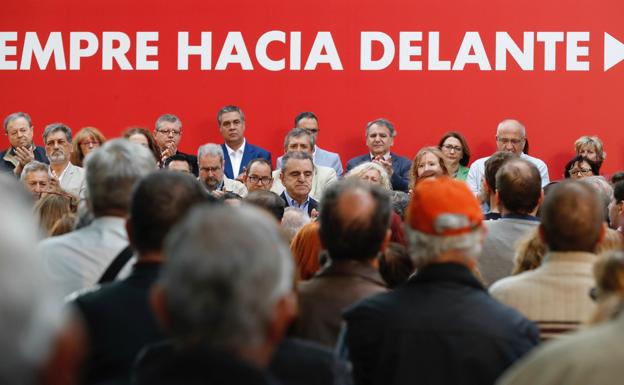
(530, 251)
(609, 294)
(52, 207)
(77, 157)
(414, 177)
(594, 141)
(359, 170)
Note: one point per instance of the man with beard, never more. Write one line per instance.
(19, 129)
(58, 145)
(211, 172)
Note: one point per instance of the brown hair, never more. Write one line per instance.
(53, 207)
(530, 252)
(306, 249)
(77, 157)
(414, 177)
(151, 142)
(465, 159)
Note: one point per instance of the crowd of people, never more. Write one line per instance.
(127, 261)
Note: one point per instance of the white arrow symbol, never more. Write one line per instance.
(613, 51)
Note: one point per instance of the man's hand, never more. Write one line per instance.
(169, 151)
(241, 175)
(386, 164)
(218, 193)
(314, 214)
(24, 155)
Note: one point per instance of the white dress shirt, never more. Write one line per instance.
(236, 157)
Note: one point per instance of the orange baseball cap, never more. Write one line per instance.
(443, 206)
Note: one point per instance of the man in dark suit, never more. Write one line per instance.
(168, 133)
(19, 129)
(236, 151)
(296, 176)
(380, 135)
(441, 327)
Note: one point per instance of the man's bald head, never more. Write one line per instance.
(355, 218)
(572, 218)
(519, 186)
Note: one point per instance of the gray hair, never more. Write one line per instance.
(361, 169)
(300, 155)
(425, 248)
(112, 171)
(32, 166)
(169, 118)
(55, 127)
(226, 109)
(226, 269)
(14, 116)
(293, 220)
(512, 122)
(382, 122)
(296, 133)
(603, 189)
(209, 149)
(32, 310)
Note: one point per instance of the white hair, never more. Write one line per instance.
(361, 169)
(31, 308)
(32, 166)
(226, 269)
(511, 122)
(425, 248)
(210, 149)
(293, 220)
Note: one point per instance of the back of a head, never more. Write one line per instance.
(267, 200)
(395, 265)
(493, 164)
(51, 208)
(572, 217)
(294, 219)
(159, 201)
(226, 269)
(306, 250)
(355, 218)
(519, 185)
(31, 309)
(111, 172)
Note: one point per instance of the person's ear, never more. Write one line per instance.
(158, 304)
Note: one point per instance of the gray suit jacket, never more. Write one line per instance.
(74, 181)
(322, 158)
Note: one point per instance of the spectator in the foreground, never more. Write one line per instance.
(306, 250)
(52, 208)
(488, 189)
(269, 201)
(441, 327)
(592, 356)
(36, 178)
(616, 208)
(355, 219)
(117, 316)
(294, 219)
(518, 194)
(555, 295)
(79, 259)
(395, 265)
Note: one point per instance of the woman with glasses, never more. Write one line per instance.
(85, 141)
(455, 149)
(581, 167)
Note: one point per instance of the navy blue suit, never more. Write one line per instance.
(39, 153)
(311, 205)
(251, 152)
(400, 166)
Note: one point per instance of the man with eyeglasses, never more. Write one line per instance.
(167, 133)
(18, 128)
(510, 137)
(211, 172)
(236, 151)
(258, 175)
(309, 122)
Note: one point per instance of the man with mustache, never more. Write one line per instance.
(18, 128)
(58, 146)
(211, 172)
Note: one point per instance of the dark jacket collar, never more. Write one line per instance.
(352, 268)
(449, 272)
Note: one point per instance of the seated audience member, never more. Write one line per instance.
(294, 219)
(258, 175)
(117, 316)
(395, 265)
(85, 141)
(428, 160)
(42, 343)
(78, 260)
(441, 326)
(518, 195)
(57, 138)
(590, 147)
(371, 172)
(309, 122)
(580, 167)
(296, 176)
(64, 225)
(51, 208)
(225, 296)
(19, 129)
(210, 157)
(510, 137)
(400, 201)
(36, 178)
(306, 250)
(231, 199)
(617, 177)
(354, 221)
(167, 134)
(269, 201)
(555, 294)
(612, 240)
(530, 251)
(301, 140)
(488, 190)
(616, 208)
(380, 135)
(609, 290)
(457, 153)
(179, 162)
(143, 137)
(602, 189)
(593, 356)
(236, 150)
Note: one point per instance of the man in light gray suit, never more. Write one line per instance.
(57, 138)
(518, 194)
(309, 122)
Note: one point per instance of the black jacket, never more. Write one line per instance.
(39, 153)
(441, 327)
(311, 205)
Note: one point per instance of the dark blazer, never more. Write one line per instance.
(192, 159)
(251, 152)
(400, 167)
(39, 153)
(441, 327)
(311, 206)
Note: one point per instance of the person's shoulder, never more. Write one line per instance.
(376, 306)
(358, 159)
(400, 158)
(512, 283)
(536, 161)
(479, 162)
(327, 154)
(256, 149)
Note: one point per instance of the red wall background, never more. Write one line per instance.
(557, 107)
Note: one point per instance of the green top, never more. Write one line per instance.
(462, 172)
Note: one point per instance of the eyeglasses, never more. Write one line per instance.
(450, 147)
(168, 132)
(582, 171)
(263, 180)
(210, 169)
(513, 142)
